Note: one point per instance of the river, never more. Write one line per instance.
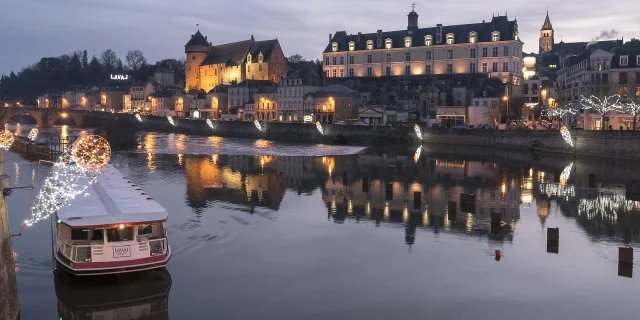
(317, 232)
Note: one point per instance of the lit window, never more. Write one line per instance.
(260, 58)
(450, 38)
(407, 42)
(428, 40)
(388, 44)
(369, 44)
(334, 46)
(495, 36)
(473, 37)
(352, 46)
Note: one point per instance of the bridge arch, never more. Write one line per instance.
(64, 116)
(7, 115)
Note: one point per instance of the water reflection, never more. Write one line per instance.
(382, 189)
(143, 295)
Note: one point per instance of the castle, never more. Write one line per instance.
(208, 66)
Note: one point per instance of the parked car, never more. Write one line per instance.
(460, 126)
(435, 125)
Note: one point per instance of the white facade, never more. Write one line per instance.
(291, 93)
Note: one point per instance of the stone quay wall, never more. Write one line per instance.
(606, 144)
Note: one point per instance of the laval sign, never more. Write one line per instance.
(119, 77)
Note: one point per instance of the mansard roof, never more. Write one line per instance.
(484, 30)
(630, 49)
(578, 47)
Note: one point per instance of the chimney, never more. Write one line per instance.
(359, 36)
(329, 37)
(439, 33)
(379, 45)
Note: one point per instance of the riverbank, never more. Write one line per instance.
(624, 145)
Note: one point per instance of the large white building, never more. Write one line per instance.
(492, 47)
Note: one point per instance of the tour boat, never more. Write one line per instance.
(114, 227)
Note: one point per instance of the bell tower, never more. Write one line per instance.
(546, 36)
(412, 18)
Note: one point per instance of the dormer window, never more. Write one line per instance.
(352, 46)
(249, 58)
(495, 36)
(516, 35)
(624, 60)
(407, 42)
(334, 47)
(450, 38)
(388, 43)
(260, 57)
(369, 44)
(484, 93)
(428, 40)
(473, 37)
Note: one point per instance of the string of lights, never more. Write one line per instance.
(257, 124)
(6, 139)
(209, 123)
(170, 118)
(602, 106)
(566, 135)
(138, 117)
(319, 127)
(33, 134)
(416, 128)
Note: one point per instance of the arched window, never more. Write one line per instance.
(473, 37)
(495, 36)
(428, 40)
(334, 46)
(369, 44)
(407, 42)
(352, 46)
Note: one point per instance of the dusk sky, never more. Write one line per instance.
(32, 29)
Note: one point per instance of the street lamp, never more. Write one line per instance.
(506, 99)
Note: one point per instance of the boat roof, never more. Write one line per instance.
(113, 199)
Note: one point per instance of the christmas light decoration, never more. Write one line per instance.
(416, 128)
(33, 134)
(319, 127)
(6, 139)
(71, 175)
(559, 112)
(632, 108)
(257, 125)
(566, 173)
(416, 156)
(601, 106)
(566, 135)
(91, 152)
(209, 123)
(138, 117)
(170, 118)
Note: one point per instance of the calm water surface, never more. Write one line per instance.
(336, 233)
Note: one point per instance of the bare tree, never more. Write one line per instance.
(601, 102)
(135, 59)
(296, 58)
(109, 59)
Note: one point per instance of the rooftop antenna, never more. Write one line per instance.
(413, 7)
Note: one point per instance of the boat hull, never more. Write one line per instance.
(112, 267)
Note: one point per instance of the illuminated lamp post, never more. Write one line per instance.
(506, 99)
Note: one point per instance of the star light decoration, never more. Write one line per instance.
(138, 117)
(170, 118)
(209, 123)
(566, 135)
(319, 127)
(71, 175)
(416, 156)
(416, 128)
(6, 139)
(33, 134)
(255, 122)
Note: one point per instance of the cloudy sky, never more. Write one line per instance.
(32, 29)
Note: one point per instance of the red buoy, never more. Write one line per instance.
(498, 254)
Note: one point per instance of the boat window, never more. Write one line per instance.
(98, 234)
(145, 229)
(79, 234)
(117, 234)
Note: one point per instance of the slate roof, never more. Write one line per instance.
(262, 46)
(576, 47)
(255, 84)
(630, 49)
(268, 90)
(501, 24)
(197, 40)
(230, 54)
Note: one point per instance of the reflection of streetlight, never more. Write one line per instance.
(64, 115)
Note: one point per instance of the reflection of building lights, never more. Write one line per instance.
(416, 128)
(368, 211)
(504, 188)
(405, 214)
(385, 213)
(214, 158)
(469, 223)
(425, 218)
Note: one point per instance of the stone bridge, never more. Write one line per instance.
(45, 118)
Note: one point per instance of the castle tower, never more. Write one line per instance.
(197, 50)
(546, 35)
(413, 18)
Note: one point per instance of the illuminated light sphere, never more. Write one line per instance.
(87, 195)
(33, 134)
(138, 117)
(170, 118)
(209, 123)
(257, 125)
(121, 226)
(416, 128)
(6, 139)
(566, 135)
(319, 127)
(91, 153)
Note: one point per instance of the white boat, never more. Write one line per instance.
(112, 228)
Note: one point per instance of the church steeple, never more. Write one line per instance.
(546, 35)
(547, 23)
